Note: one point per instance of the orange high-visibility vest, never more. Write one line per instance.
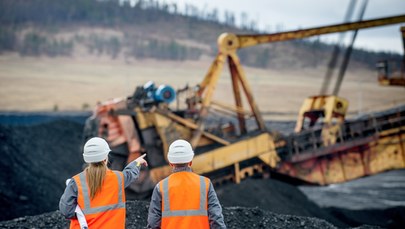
(184, 201)
(107, 208)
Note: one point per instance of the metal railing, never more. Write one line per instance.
(312, 140)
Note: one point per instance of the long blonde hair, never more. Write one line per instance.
(95, 174)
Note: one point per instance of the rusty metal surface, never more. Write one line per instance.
(366, 146)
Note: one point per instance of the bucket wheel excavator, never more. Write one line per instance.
(231, 142)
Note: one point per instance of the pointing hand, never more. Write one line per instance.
(142, 161)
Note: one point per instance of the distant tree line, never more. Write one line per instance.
(171, 50)
(15, 14)
(7, 39)
(104, 12)
(34, 44)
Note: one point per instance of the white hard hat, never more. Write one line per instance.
(95, 150)
(180, 152)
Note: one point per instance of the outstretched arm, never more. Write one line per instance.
(131, 171)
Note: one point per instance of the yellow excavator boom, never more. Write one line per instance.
(231, 41)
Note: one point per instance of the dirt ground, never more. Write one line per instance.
(45, 84)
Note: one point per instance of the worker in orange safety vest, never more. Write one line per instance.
(99, 191)
(184, 199)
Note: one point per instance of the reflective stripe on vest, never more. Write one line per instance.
(200, 212)
(86, 197)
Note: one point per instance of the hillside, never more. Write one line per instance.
(69, 56)
(148, 30)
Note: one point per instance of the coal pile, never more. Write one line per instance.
(137, 212)
(274, 196)
(36, 161)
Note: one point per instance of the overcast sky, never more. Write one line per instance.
(294, 14)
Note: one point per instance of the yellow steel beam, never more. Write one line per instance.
(210, 82)
(215, 67)
(237, 173)
(236, 92)
(236, 109)
(234, 153)
(251, 40)
(219, 158)
(248, 91)
(191, 125)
